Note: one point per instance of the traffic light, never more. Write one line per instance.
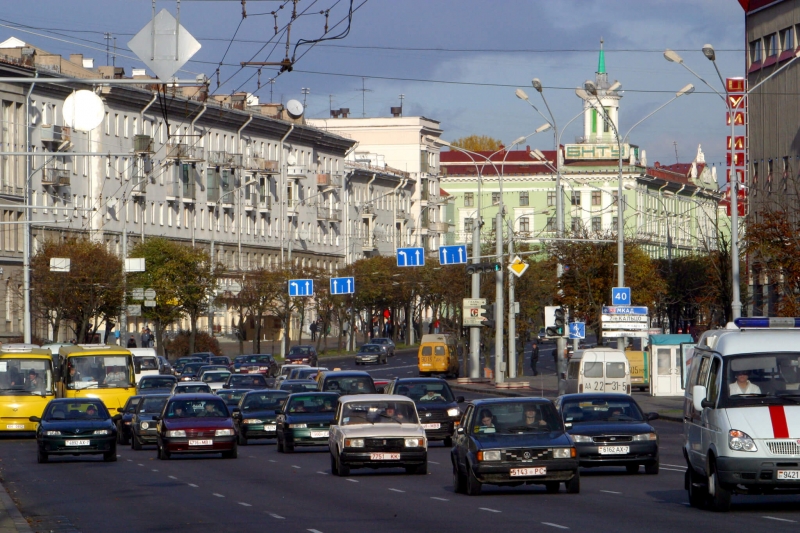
(555, 319)
(480, 268)
(560, 321)
(488, 314)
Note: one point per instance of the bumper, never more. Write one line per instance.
(146, 436)
(500, 473)
(58, 446)
(257, 431)
(756, 474)
(181, 445)
(10, 425)
(444, 431)
(302, 437)
(363, 460)
(640, 453)
(367, 359)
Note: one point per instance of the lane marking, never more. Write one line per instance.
(673, 470)
(433, 462)
(140, 464)
(559, 526)
(172, 477)
(273, 515)
(314, 531)
(440, 499)
(295, 466)
(251, 456)
(610, 492)
(396, 490)
(490, 510)
(273, 461)
(778, 519)
(353, 480)
(129, 460)
(321, 472)
(192, 485)
(244, 504)
(155, 470)
(218, 495)
(674, 466)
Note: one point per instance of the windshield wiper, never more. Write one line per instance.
(393, 419)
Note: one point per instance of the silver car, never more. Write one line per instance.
(386, 343)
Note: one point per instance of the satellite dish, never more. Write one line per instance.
(83, 111)
(112, 202)
(294, 108)
(291, 160)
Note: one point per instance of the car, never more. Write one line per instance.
(246, 381)
(231, 396)
(542, 335)
(191, 387)
(377, 431)
(610, 430)
(190, 371)
(436, 405)
(156, 384)
(287, 369)
(220, 360)
(372, 353)
(143, 424)
(215, 378)
(206, 368)
(498, 443)
(255, 415)
(386, 343)
(76, 426)
(305, 420)
(298, 385)
(164, 366)
(203, 356)
(183, 361)
(196, 423)
(263, 363)
(302, 354)
(126, 415)
(305, 372)
(346, 382)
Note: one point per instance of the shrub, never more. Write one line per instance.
(178, 346)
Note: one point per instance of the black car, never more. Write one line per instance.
(513, 441)
(437, 407)
(302, 354)
(305, 420)
(246, 381)
(231, 397)
(610, 430)
(155, 384)
(345, 382)
(183, 361)
(266, 363)
(190, 371)
(143, 424)
(123, 423)
(76, 426)
(372, 353)
(298, 385)
(255, 416)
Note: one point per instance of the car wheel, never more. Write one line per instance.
(552, 487)
(242, 439)
(111, 455)
(232, 454)
(120, 435)
(41, 457)
(136, 444)
(342, 470)
(574, 485)
(163, 453)
(651, 469)
(459, 481)
(698, 493)
(719, 497)
(334, 466)
(473, 485)
(632, 469)
(448, 442)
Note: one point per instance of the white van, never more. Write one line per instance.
(145, 361)
(598, 369)
(741, 412)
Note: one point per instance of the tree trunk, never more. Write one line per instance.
(257, 318)
(159, 338)
(192, 332)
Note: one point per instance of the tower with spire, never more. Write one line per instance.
(595, 128)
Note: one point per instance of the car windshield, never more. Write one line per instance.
(514, 418)
(131, 404)
(192, 368)
(299, 387)
(595, 410)
(258, 401)
(231, 397)
(152, 405)
(189, 389)
(304, 373)
(214, 408)
(156, 383)
(76, 410)
(247, 380)
(422, 391)
(215, 377)
(299, 350)
(98, 371)
(311, 403)
(219, 361)
(20, 376)
(755, 379)
(147, 362)
(370, 348)
(350, 385)
(379, 412)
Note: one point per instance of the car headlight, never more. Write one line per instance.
(354, 443)
(415, 443)
(145, 425)
(101, 432)
(297, 426)
(490, 455)
(741, 441)
(581, 438)
(52, 433)
(453, 412)
(176, 433)
(645, 436)
(223, 433)
(564, 453)
(251, 421)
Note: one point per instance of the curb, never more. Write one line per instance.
(20, 523)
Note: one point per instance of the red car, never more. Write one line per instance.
(196, 423)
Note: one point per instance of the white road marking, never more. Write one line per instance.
(140, 464)
(172, 477)
(778, 519)
(321, 472)
(433, 462)
(610, 492)
(490, 510)
(295, 466)
(273, 515)
(314, 531)
(251, 456)
(155, 470)
(674, 466)
(192, 485)
(353, 480)
(673, 470)
(396, 490)
(440, 499)
(273, 461)
(218, 495)
(559, 526)
(244, 504)
(129, 460)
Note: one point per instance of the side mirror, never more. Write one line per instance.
(653, 416)
(699, 396)
(137, 366)
(157, 418)
(35, 419)
(460, 431)
(460, 399)
(120, 410)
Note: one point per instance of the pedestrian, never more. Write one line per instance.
(535, 357)
(132, 342)
(150, 338)
(144, 338)
(313, 329)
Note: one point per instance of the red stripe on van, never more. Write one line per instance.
(780, 429)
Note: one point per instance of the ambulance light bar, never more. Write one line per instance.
(768, 322)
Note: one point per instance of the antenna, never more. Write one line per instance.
(330, 102)
(271, 83)
(364, 92)
(305, 92)
(675, 144)
(402, 97)
(107, 37)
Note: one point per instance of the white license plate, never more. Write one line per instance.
(384, 457)
(15, 426)
(77, 443)
(789, 474)
(272, 427)
(201, 442)
(320, 434)
(431, 426)
(534, 471)
(614, 450)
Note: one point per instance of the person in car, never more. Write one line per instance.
(392, 413)
(742, 384)
(34, 383)
(430, 396)
(532, 418)
(487, 419)
(91, 411)
(211, 409)
(114, 375)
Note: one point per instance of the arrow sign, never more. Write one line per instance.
(301, 287)
(453, 255)
(343, 285)
(408, 257)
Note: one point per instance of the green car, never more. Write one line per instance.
(76, 426)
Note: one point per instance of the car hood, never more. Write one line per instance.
(305, 418)
(434, 407)
(260, 413)
(67, 425)
(383, 430)
(526, 440)
(610, 428)
(148, 392)
(199, 423)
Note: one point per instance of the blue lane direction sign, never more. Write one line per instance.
(577, 330)
(453, 255)
(625, 310)
(343, 285)
(411, 257)
(621, 296)
(301, 287)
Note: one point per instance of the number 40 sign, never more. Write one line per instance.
(621, 296)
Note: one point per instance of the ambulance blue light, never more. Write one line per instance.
(767, 322)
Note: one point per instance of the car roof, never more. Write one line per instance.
(346, 373)
(80, 399)
(159, 376)
(496, 401)
(195, 396)
(263, 391)
(597, 396)
(292, 381)
(188, 383)
(420, 380)
(319, 393)
(374, 398)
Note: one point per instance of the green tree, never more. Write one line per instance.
(478, 143)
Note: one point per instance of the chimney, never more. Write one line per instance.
(396, 111)
(657, 164)
(76, 58)
(334, 113)
(344, 111)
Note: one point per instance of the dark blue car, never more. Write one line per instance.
(305, 420)
(76, 426)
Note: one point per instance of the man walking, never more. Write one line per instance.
(535, 357)
(313, 329)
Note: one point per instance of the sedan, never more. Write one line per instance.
(76, 426)
(302, 354)
(264, 363)
(437, 407)
(299, 385)
(386, 343)
(155, 384)
(183, 361)
(190, 371)
(610, 430)
(513, 441)
(255, 416)
(220, 360)
(372, 353)
(231, 397)
(143, 424)
(305, 372)
(246, 381)
(124, 422)
(196, 423)
(305, 420)
(191, 387)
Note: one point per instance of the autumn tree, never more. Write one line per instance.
(478, 143)
(772, 242)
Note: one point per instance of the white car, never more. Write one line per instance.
(215, 378)
(377, 431)
(284, 373)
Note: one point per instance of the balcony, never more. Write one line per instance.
(265, 206)
(57, 177)
(367, 244)
(53, 134)
(296, 173)
(176, 150)
(402, 214)
(329, 180)
(264, 166)
(292, 207)
(326, 213)
(368, 210)
(143, 144)
(439, 227)
(224, 159)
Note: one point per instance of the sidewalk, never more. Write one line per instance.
(11, 520)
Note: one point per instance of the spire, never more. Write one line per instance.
(601, 63)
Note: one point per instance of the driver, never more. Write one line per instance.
(430, 396)
(742, 384)
(391, 412)
(114, 374)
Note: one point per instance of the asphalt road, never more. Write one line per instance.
(264, 490)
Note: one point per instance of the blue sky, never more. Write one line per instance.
(456, 61)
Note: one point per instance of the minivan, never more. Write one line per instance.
(598, 370)
(438, 354)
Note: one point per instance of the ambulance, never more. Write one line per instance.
(742, 412)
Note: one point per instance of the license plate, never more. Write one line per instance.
(273, 427)
(319, 434)
(614, 450)
(15, 426)
(431, 426)
(201, 442)
(384, 457)
(789, 474)
(77, 443)
(534, 471)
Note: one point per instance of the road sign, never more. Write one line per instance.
(625, 310)
(301, 287)
(149, 303)
(626, 325)
(577, 330)
(410, 257)
(164, 45)
(518, 266)
(453, 255)
(621, 296)
(150, 294)
(624, 318)
(471, 311)
(134, 310)
(59, 264)
(343, 285)
(614, 334)
(134, 264)
(137, 294)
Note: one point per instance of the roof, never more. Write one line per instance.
(604, 395)
(679, 172)
(419, 379)
(344, 373)
(506, 162)
(374, 398)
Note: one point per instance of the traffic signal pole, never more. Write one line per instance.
(499, 371)
(475, 333)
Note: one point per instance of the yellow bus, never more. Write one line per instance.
(96, 371)
(26, 385)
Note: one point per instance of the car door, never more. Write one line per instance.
(709, 428)
(593, 375)
(462, 437)
(334, 433)
(695, 420)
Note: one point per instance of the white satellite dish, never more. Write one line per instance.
(294, 108)
(83, 111)
(112, 203)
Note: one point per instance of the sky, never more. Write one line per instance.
(454, 61)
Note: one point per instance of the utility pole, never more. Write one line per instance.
(364, 92)
(271, 85)
(402, 97)
(107, 37)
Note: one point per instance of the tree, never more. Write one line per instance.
(772, 241)
(478, 143)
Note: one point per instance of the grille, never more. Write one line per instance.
(196, 433)
(525, 455)
(613, 439)
(783, 447)
(435, 416)
(384, 444)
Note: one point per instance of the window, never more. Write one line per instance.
(577, 224)
(468, 225)
(551, 198)
(787, 39)
(615, 196)
(551, 224)
(596, 198)
(597, 224)
(524, 198)
(576, 198)
(771, 45)
(495, 198)
(614, 222)
(524, 224)
(755, 51)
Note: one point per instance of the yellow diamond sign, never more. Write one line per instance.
(518, 266)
